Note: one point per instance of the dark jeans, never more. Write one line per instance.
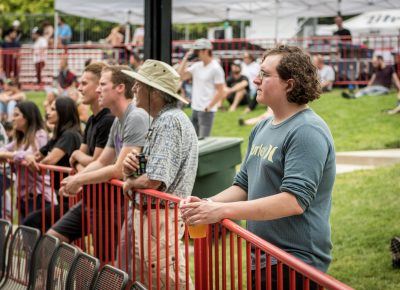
(274, 279)
(39, 67)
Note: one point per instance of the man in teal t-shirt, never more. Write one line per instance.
(284, 186)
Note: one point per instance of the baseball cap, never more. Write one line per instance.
(202, 43)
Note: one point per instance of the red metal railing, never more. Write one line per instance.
(351, 60)
(222, 260)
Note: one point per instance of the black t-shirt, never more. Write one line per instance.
(344, 33)
(97, 130)
(230, 82)
(69, 141)
(383, 77)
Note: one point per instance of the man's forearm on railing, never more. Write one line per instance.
(231, 194)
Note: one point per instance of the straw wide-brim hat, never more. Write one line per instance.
(159, 75)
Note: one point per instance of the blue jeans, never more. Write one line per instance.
(8, 108)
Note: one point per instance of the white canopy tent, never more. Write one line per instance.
(183, 11)
(375, 22)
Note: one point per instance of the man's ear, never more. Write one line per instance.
(120, 88)
(290, 85)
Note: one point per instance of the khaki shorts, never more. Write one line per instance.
(142, 249)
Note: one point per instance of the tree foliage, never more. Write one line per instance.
(25, 6)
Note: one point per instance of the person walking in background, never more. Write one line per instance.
(208, 80)
(283, 189)
(380, 82)
(39, 52)
(171, 150)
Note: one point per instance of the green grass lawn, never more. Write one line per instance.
(364, 218)
(355, 124)
(365, 203)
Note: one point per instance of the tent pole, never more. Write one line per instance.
(276, 20)
(158, 27)
(55, 44)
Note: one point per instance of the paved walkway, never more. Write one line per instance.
(357, 160)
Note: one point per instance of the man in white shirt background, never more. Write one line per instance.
(208, 85)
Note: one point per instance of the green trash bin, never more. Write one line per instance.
(218, 157)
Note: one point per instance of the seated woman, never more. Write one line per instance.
(9, 98)
(29, 136)
(66, 139)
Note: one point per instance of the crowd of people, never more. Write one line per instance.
(283, 189)
(137, 112)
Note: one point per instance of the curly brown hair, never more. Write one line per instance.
(297, 65)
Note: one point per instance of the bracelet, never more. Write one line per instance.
(208, 199)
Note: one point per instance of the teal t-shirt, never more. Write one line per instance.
(295, 156)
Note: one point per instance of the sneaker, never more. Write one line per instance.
(346, 95)
(394, 111)
(395, 250)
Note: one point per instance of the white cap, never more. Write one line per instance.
(16, 23)
(202, 43)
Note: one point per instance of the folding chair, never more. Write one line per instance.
(138, 286)
(60, 266)
(5, 232)
(83, 272)
(20, 255)
(111, 278)
(41, 261)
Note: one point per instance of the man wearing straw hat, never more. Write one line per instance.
(171, 151)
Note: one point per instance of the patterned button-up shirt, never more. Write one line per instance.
(172, 150)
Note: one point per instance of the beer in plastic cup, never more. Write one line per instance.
(198, 231)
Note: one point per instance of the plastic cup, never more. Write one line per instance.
(198, 231)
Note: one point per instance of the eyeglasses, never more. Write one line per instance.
(263, 74)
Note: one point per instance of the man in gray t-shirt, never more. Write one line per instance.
(284, 186)
(127, 132)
